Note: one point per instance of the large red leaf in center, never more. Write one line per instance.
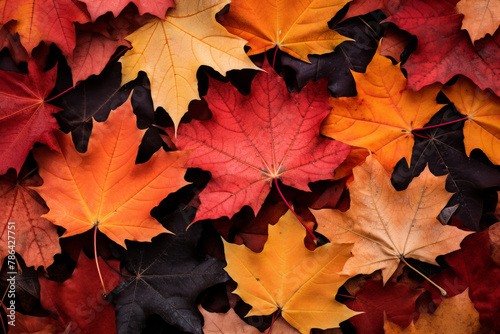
(252, 140)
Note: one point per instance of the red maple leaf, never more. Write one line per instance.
(78, 302)
(97, 8)
(252, 140)
(24, 116)
(395, 300)
(443, 49)
(475, 267)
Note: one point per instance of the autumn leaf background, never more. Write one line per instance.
(217, 166)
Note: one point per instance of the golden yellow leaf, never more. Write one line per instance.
(289, 277)
(482, 128)
(297, 27)
(383, 114)
(388, 225)
(481, 17)
(170, 51)
(454, 315)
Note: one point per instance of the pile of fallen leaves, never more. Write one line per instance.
(271, 166)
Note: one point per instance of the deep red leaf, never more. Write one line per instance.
(474, 265)
(443, 49)
(79, 301)
(396, 300)
(252, 140)
(24, 116)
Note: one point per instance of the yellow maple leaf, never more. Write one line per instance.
(383, 114)
(297, 27)
(388, 226)
(289, 277)
(482, 128)
(170, 51)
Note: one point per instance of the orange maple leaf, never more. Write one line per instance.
(104, 187)
(383, 114)
(388, 226)
(481, 17)
(482, 108)
(299, 28)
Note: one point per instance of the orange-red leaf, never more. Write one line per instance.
(97, 8)
(35, 238)
(47, 21)
(104, 187)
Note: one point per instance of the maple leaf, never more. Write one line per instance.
(388, 226)
(350, 55)
(78, 303)
(394, 42)
(12, 42)
(104, 188)
(286, 276)
(39, 325)
(97, 42)
(445, 50)
(252, 140)
(171, 50)
(443, 150)
(480, 17)
(167, 276)
(477, 270)
(362, 7)
(24, 116)
(230, 323)
(395, 300)
(92, 53)
(23, 207)
(38, 21)
(225, 323)
(299, 28)
(383, 114)
(494, 234)
(455, 315)
(97, 8)
(482, 127)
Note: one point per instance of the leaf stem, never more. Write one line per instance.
(275, 53)
(97, 263)
(300, 220)
(275, 316)
(62, 93)
(441, 290)
(438, 125)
